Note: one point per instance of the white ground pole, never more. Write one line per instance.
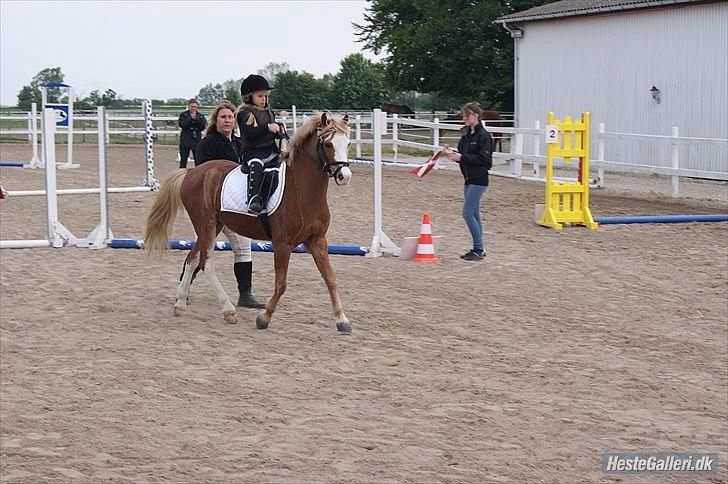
(381, 243)
(100, 236)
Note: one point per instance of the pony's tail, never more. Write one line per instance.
(161, 216)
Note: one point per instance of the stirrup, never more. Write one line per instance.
(255, 205)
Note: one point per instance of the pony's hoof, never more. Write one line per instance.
(261, 323)
(178, 312)
(231, 318)
(344, 328)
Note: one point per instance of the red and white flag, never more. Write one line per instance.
(426, 167)
(3, 193)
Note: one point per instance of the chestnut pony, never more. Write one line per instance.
(317, 152)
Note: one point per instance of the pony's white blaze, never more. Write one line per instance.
(344, 176)
(341, 153)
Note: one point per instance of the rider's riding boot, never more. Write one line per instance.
(244, 276)
(255, 180)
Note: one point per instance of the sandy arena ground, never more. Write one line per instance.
(524, 367)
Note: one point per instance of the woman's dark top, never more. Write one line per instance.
(192, 129)
(476, 149)
(216, 146)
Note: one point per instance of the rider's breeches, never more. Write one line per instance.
(240, 245)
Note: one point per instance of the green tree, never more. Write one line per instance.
(26, 97)
(231, 91)
(211, 94)
(31, 93)
(94, 99)
(301, 89)
(448, 47)
(89, 102)
(359, 84)
(110, 99)
(272, 70)
(233, 95)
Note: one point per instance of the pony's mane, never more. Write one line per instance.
(310, 127)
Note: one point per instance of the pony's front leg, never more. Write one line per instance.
(281, 258)
(228, 310)
(319, 249)
(183, 290)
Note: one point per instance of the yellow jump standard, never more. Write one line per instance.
(567, 201)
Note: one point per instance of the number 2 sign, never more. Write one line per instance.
(552, 133)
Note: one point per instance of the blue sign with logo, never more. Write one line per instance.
(61, 111)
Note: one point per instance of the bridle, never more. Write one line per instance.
(330, 168)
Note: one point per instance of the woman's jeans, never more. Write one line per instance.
(471, 213)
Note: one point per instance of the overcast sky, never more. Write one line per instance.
(155, 49)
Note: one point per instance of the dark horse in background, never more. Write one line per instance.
(399, 109)
(494, 118)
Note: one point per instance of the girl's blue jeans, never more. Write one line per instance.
(471, 213)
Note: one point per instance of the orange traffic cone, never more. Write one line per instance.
(425, 247)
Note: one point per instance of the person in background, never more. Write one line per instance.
(475, 156)
(258, 130)
(192, 123)
(220, 143)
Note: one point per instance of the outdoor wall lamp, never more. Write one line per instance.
(655, 94)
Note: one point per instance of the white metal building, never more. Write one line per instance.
(638, 66)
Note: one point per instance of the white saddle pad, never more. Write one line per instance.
(235, 191)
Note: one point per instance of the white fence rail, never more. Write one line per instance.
(519, 144)
(525, 144)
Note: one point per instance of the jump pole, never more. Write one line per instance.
(255, 246)
(662, 219)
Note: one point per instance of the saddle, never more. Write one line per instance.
(235, 190)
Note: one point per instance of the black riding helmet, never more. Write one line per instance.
(253, 83)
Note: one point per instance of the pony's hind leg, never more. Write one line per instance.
(319, 250)
(183, 289)
(281, 258)
(228, 310)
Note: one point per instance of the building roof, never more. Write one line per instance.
(578, 8)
